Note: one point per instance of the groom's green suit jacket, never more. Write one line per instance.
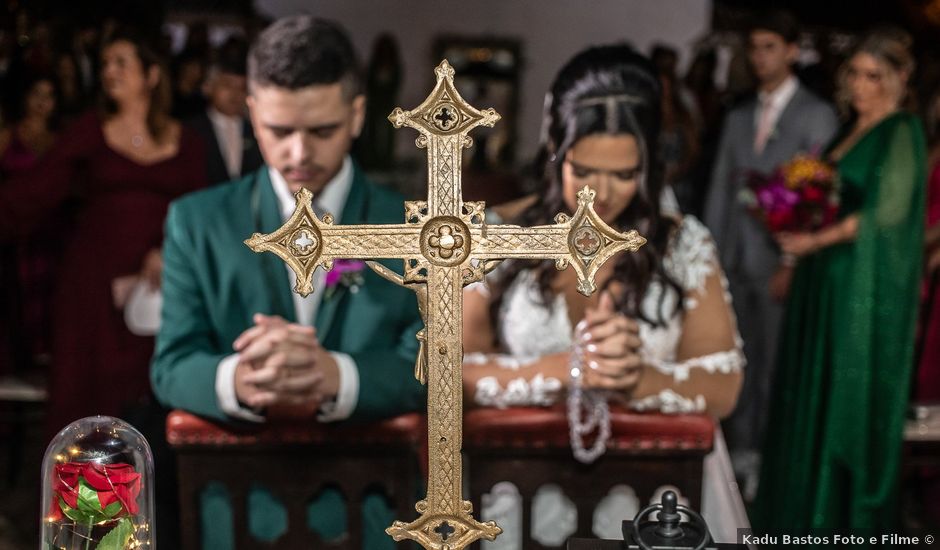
(213, 284)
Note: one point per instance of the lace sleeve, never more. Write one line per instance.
(492, 378)
(691, 259)
(509, 382)
(700, 384)
(706, 374)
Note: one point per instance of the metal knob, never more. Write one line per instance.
(669, 530)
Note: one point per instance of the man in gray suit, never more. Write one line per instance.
(783, 119)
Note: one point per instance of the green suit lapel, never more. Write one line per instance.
(267, 219)
(354, 212)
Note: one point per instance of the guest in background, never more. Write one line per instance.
(197, 39)
(679, 131)
(28, 268)
(230, 142)
(131, 159)
(33, 125)
(833, 459)
(72, 98)
(783, 119)
(84, 47)
(189, 72)
(820, 65)
(38, 52)
(740, 80)
(376, 148)
(660, 334)
(700, 80)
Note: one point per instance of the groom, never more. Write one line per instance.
(783, 119)
(236, 344)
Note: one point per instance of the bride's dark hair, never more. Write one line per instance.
(605, 90)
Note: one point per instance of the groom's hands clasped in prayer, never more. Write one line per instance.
(283, 369)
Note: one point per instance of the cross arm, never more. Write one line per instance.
(583, 240)
(305, 242)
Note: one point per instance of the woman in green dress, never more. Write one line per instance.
(832, 452)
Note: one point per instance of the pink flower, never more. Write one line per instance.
(345, 274)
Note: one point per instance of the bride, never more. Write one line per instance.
(660, 334)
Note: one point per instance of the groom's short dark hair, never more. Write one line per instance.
(300, 51)
(778, 22)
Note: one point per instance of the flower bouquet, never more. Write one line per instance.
(800, 195)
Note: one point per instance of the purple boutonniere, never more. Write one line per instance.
(346, 274)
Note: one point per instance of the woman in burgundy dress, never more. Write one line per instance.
(27, 267)
(128, 161)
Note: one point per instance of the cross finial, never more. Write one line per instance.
(444, 112)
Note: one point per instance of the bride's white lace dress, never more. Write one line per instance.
(529, 330)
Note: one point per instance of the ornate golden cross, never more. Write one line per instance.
(445, 244)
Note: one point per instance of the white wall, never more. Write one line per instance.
(550, 32)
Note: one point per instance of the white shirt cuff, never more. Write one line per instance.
(225, 391)
(348, 395)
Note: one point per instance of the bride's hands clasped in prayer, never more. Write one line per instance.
(611, 344)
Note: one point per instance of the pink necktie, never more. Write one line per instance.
(233, 147)
(764, 126)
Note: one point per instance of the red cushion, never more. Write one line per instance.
(548, 428)
(185, 429)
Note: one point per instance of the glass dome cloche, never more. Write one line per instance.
(97, 488)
